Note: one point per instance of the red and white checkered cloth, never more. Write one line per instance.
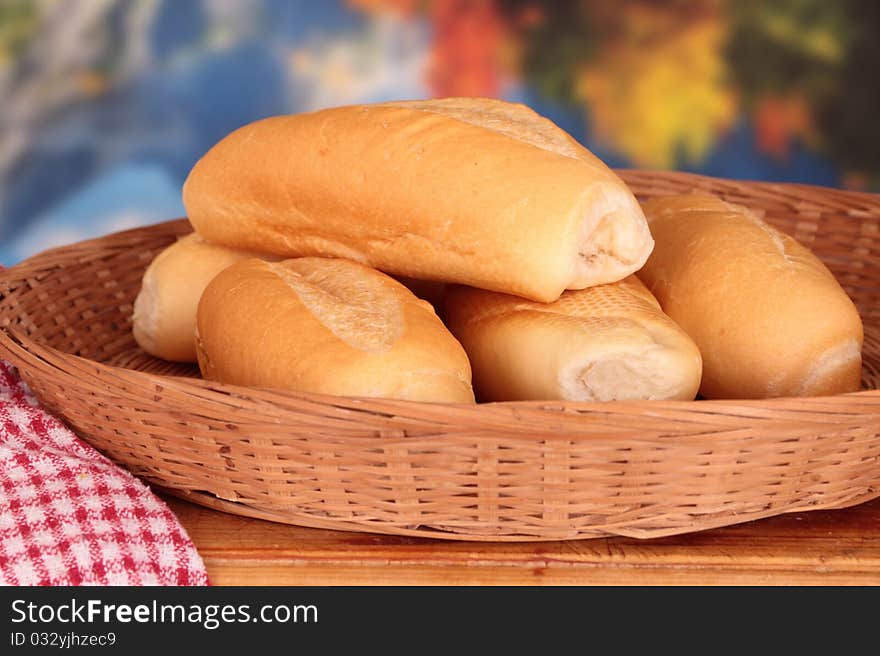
(69, 516)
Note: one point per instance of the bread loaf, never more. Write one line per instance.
(604, 343)
(474, 191)
(164, 319)
(328, 326)
(769, 318)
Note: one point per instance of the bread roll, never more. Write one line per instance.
(474, 191)
(599, 344)
(767, 315)
(327, 326)
(164, 320)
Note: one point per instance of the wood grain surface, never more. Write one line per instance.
(839, 547)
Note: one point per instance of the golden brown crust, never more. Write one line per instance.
(164, 318)
(473, 191)
(327, 326)
(603, 343)
(768, 316)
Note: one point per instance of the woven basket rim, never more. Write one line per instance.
(699, 178)
(855, 409)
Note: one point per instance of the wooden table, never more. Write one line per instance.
(819, 547)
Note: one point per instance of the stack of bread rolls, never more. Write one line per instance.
(469, 249)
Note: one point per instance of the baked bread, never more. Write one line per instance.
(327, 326)
(769, 318)
(164, 319)
(604, 343)
(474, 191)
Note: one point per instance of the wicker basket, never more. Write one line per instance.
(508, 471)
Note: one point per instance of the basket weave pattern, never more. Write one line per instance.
(507, 471)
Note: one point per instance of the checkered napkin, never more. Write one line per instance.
(68, 516)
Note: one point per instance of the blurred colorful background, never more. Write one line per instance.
(106, 104)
